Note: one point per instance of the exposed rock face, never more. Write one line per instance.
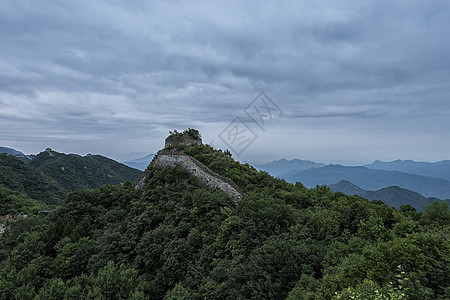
(171, 158)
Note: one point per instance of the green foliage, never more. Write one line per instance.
(49, 178)
(372, 229)
(188, 133)
(437, 214)
(177, 239)
(372, 291)
(18, 176)
(305, 289)
(15, 202)
(73, 172)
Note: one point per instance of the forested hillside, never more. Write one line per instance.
(78, 172)
(13, 202)
(50, 176)
(176, 239)
(19, 176)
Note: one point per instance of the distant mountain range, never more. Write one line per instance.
(140, 163)
(393, 195)
(282, 167)
(16, 153)
(51, 175)
(10, 151)
(370, 179)
(440, 169)
(396, 182)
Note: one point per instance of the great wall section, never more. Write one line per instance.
(174, 157)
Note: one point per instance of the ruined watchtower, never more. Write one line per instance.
(185, 138)
(173, 155)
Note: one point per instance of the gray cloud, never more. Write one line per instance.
(82, 70)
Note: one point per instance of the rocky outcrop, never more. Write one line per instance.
(171, 158)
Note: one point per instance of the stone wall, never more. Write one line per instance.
(174, 141)
(171, 158)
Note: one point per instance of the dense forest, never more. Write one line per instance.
(177, 239)
(51, 175)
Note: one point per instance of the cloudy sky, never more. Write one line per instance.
(353, 81)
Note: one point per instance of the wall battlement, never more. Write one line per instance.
(173, 157)
(175, 141)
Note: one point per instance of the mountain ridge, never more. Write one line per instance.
(370, 179)
(281, 166)
(51, 175)
(440, 169)
(394, 196)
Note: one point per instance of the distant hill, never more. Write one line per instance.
(369, 179)
(284, 166)
(140, 163)
(439, 169)
(19, 176)
(20, 155)
(348, 188)
(10, 151)
(50, 176)
(74, 172)
(393, 195)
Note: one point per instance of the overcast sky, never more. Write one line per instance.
(353, 81)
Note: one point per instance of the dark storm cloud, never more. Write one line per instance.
(109, 68)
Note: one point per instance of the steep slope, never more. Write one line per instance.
(172, 158)
(74, 172)
(369, 179)
(284, 166)
(439, 169)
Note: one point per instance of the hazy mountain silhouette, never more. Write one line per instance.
(283, 166)
(393, 195)
(439, 169)
(370, 179)
(140, 163)
(20, 155)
